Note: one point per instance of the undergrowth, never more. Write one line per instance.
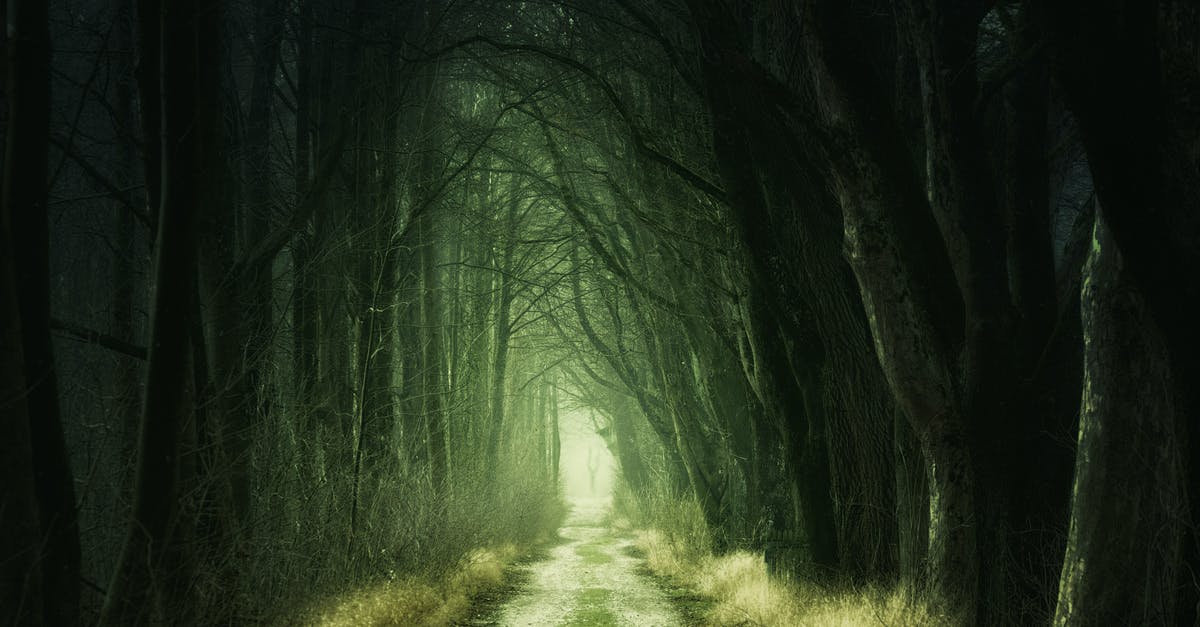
(426, 557)
(419, 554)
(415, 601)
(677, 545)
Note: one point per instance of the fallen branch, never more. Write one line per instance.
(90, 336)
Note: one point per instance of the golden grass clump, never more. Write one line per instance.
(412, 602)
(483, 569)
(664, 557)
(745, 594)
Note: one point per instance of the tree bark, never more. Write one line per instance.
(1129, 75)
(497, 394)
(633, 467)
(25, 212)
(841, 407)
(555, 436)
(434, 360)
(1129, 505)
(22, 587)
(144, 581)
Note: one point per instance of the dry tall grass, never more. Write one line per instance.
(413, 601)
(745, 594)
(677, 546)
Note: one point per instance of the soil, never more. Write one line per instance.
(594, 577)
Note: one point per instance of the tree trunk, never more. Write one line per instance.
(916, 365)
(144, 579)
(810, 294)
(1128, 73)
(22, 588)
(230, 318)
(1129, 505)
(909, 297)
(555, 436)
(251, 291)
(633, 467)
(25, 213)
(434, 360)
(503, 333)
(304, 309)
(127, 289)
(912, 505)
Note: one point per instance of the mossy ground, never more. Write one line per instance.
(593, 610)
(693, 607)
(592, 553)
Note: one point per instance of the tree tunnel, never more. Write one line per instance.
(306, 296)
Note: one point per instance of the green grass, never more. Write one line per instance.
(592, 554)
(593, 609)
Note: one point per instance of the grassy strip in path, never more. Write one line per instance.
(592, 553)
(593, 610)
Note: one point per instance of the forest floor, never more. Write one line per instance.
(593, 577)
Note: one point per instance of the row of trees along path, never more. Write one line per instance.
(293, 295)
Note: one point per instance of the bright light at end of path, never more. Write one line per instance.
(586, 466)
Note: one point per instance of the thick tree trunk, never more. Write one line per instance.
(919, 374)
(912, 505)
(908, 298)
(810, 294)
(1129, 505)
(801, 416)
(22, 589)
(898, 284)
(143, 582)
(942, 37)
(1037, 467)
(25, 213)
(1128, 73)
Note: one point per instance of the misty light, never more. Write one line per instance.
(587, 466)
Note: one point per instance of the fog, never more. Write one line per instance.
(587, 466)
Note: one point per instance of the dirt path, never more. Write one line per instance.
(590, 580)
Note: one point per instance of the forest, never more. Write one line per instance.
(340, 312)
